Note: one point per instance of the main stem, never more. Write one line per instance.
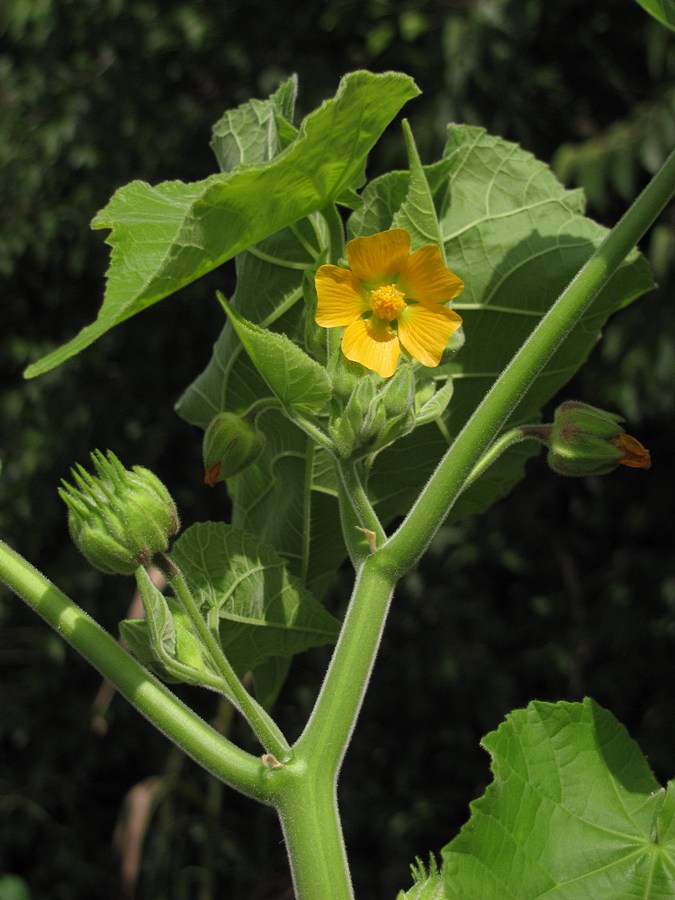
(309, 813)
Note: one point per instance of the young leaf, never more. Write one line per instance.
(165, 237)
(573, 812)
(428, 885)
(166, 640)
(264, 611)
(136, 635)
(161, 629)
(292, 376)
(250, 133)
(417, 213)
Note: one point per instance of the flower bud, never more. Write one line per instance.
(119, 518)
(398, 394)
(230, 444)
(584, 440)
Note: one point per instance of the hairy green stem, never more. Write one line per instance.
(325, 738)
(361, 527)
(262, 724)
(185, 728)
(308, 812)
(406, 546)
(499, 446)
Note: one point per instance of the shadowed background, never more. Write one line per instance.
(566, 588)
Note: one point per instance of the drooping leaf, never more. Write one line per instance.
(292, 376)
(165, 237)
(263, 610)
(516, 237)
(573, 812)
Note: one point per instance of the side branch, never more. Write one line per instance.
(156, 702)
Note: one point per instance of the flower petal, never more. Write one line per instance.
(424, 332)
(373, 345)
(379, 257)
(341, 301)
(427, 279)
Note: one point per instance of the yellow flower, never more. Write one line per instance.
(388, 298)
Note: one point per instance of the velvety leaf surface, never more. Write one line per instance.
(167, 236)
(516, 237)
(250, 133)
(289, 496)
(293, 377)
(263, 610)
(573, 812)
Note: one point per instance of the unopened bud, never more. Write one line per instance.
(398, 394)
(119, 518)
(584, 440)
(230, 444)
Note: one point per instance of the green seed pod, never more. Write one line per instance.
(230, 445)
(584, 440)
(119, 518)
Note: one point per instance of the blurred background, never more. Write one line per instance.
(566, 588)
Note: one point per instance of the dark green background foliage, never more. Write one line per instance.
(565, 588)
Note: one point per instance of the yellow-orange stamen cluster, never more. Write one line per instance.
(387, 302)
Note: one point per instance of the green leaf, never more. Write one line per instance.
(268, 679)
(251, 133)
(293, 377)
(573, 812)
(417, 213)
(166, 640)
(662, 10)
(158, 616)
(165, 237)
(136, 635)
(289, 497)
(517, 238)
(264, 611)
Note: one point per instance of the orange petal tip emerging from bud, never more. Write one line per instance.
(635, 455)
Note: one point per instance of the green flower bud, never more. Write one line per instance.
(398, 394)
(119, 518)
(344, 374)
(230, 444)
(584, 440)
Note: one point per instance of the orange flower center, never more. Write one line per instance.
(387, 302)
